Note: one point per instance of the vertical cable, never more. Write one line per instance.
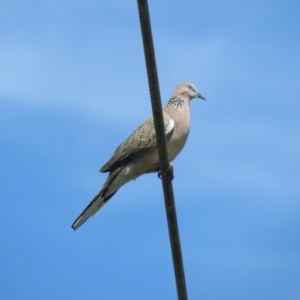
(162, 148)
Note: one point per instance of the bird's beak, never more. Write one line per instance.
(200, 96)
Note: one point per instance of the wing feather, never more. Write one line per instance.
(139, 143)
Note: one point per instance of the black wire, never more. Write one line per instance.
(162, 148)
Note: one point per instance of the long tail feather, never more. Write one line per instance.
(98, 201)
(96, 204)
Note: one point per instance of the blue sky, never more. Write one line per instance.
(73, 86)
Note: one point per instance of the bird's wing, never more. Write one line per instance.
(139, 143)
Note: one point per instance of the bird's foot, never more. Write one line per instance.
(171, 172)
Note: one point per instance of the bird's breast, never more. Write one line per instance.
(178, 138)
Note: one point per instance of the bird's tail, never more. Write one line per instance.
(98, 201)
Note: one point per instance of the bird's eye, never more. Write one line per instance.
(190, 87)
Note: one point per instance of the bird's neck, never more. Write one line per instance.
(177, 102)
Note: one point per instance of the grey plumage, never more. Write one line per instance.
(137, 155)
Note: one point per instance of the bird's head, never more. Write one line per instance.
(187, 90)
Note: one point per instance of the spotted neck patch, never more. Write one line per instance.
(175, 102)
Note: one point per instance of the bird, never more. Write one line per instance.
(137, 155)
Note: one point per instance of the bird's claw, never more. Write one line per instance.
(159, 174)
(171, 173)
